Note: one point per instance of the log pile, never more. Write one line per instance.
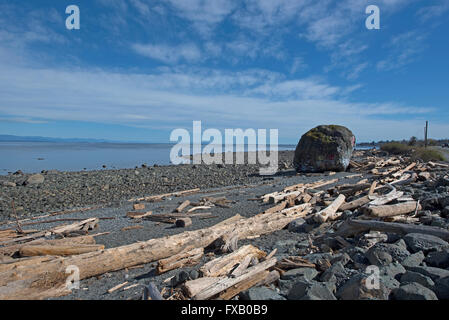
(33, 263)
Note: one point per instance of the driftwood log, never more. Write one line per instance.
(46, 278)
(353, 227)
(393, 210)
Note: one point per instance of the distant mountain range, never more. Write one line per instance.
(12, 138)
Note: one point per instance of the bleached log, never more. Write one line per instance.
(393, 210)
(58, 250)
(330, 213)
(277, 208)
(180, 260)
(160, 197)
(352, 227)
(249, 282)
(226, 283)
(400, 172)
(223, 265)
(193, 287)
(47, 278)
(355, 203)
(182, 206)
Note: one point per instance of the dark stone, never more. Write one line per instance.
(324, 148)
(260, 293)
(414, 260)
(433, 273)
(357, 289)
(411, 276)
(194, 274)
(300, 226)
(413, 291)
(442, 288)
(378, 257)
(424, 242)
(306, 273)
(438, 259)
(311, 290)
(398, 251)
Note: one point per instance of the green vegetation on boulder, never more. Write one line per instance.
(324, 148)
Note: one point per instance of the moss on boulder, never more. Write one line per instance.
(324, 148)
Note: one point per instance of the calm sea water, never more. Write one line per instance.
(37, 156)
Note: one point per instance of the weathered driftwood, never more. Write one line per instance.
(198, 208)
(138, 206)
(393, 210)
(14, 249)
(302, 210)
(59, 230)
(242, 266)
(223, 265)
(400, 172)
(226, 283)
(330, 213)
(58, 250)
(182, 206)
(293, 263)
(353, 227)
(180, 260)
(273, 276)
(117, 287)
(355, 203)
(47, 278)
(139, 215)
(283, 196)
(193, 287)
(277, 208)
(249, 282)
(160, 197)
(351, 189)
(392, 195)
(227, 242)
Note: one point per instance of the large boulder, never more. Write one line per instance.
(324, 148)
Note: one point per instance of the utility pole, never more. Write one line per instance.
(425, 133)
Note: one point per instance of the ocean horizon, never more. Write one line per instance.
(33, 156)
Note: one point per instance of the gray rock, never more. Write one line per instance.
(424, 242)
(433, 273)
(442, 288)
(438, 259)
(194, 274)
(414, 260)
(306, 273)
(378, 257)
(261, 293)
(397, 251)
(300, 226)
(413, 291)
(34, 179)
(356, 289)
(336, 274)
(411, 276)
(393, 270)
(389, 282)
(311, 290)
(342, 258)
(324, 148)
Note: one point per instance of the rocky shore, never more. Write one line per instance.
(387, 240)
(51, 191)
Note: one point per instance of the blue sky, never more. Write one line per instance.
(138, 69)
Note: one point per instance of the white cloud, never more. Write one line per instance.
(169, 54)
(405, 49)
(220, 99)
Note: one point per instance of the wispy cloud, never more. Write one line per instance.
(169, 54)
(405, 49)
